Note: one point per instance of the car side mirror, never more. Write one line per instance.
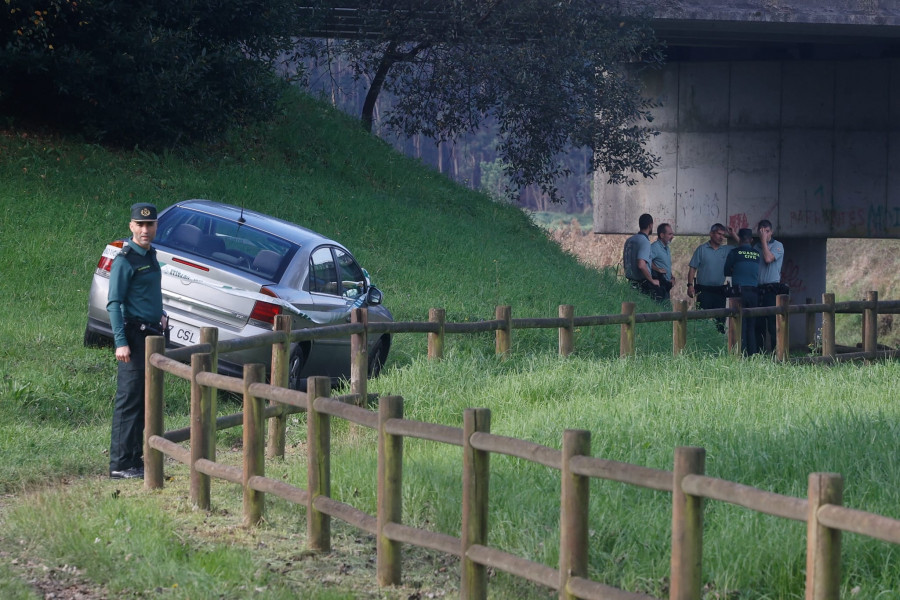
(374, 296)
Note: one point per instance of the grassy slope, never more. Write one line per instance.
(427, 243)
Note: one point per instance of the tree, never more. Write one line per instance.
(148, 72)
(553, 75)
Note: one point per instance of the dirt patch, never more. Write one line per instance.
(54, 582)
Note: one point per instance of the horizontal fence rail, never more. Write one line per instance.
(687, 482)
(437, 328)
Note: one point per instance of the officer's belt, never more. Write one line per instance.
(715, 289)
(144, 328)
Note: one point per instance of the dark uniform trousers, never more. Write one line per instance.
(126, 448)
(749, 299)
(768, 294)
(709, 297)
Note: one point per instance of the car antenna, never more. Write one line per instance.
(241, 219)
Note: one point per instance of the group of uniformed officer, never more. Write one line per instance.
(754, 272)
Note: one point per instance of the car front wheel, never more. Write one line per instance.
(295, 366)
(377, 356)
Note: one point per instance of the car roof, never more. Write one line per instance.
(273, 225)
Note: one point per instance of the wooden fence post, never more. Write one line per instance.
(679, 327)
(504, 333)
(359, 357)
(567, 331)
(870, 325)
(828, 347)
(823, 545)
(281, 360)
(436, 340)
(735, 326)
(573, 517)
(154, 411)
(390, 492)
(202, 422)
(318, 464)
(626, 335)
(782, 328)
(210, 335)
(476, 476)
(687, 527)
(254, 443)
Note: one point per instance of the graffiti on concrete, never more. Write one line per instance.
(830, 218)
(738, 221)
(882, 219)
(692, 203)
(741, 220)
(874, 220)
(790, 275)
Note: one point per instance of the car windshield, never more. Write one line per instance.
(236, 245)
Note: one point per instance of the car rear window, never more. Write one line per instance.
(228, 243)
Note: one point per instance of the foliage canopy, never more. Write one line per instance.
(147, 72)
(553, 75)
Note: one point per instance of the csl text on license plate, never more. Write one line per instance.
(184, 335)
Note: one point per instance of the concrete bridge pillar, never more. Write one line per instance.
(804, 271)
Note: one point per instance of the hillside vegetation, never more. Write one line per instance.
(427, 243)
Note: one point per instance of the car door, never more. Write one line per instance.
(336, 285)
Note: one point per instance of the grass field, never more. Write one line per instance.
(427, 243)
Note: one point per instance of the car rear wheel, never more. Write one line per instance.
(92, 339)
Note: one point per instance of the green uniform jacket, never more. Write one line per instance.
(135, 290)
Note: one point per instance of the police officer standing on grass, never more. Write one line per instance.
(706, 272)
(661, 261)
(135, 311)
(636, 258)
(742, 265)
(771, 258)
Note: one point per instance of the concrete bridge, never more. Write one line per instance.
(787, 110)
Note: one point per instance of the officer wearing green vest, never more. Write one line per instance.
(742, 266)
(135, 311)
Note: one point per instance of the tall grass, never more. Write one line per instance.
(427, 243)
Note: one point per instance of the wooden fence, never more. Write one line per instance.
(821, 510)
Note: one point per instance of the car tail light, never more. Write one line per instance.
(264, 312)
(106, 260)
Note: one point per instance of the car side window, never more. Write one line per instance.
(322, 272)
(352, 279)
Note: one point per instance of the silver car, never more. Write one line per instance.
(235, 269)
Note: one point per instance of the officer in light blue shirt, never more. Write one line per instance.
(770, 286)
(636, 258)
(706, 271)
(661, 260)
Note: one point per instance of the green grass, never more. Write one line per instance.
(427, 243)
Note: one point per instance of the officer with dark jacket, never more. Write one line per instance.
(742, 265)
(135, 310)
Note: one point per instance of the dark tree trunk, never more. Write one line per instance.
(368, 110)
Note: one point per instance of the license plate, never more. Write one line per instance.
(184, 335)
